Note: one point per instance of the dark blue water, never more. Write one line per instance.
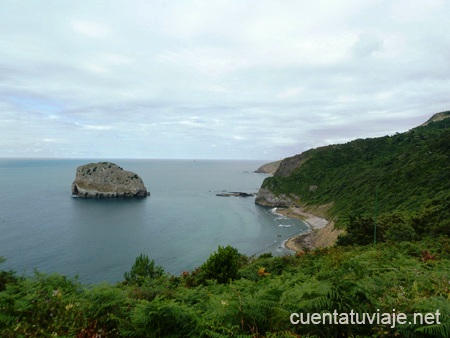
(179, 225)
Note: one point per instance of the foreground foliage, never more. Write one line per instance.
(257, 303)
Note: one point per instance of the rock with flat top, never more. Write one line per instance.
(107, 180)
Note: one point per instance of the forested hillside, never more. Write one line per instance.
(405, 173)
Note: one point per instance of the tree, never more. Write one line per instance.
(142, 269)
(360, 231)
(397, 227)
(222, 265)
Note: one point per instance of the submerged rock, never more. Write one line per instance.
(107, 180)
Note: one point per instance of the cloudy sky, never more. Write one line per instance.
(254, 79)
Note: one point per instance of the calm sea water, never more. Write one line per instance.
(182, 222)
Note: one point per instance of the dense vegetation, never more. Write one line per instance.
(400, 183)
(411, 277)
(406, 172)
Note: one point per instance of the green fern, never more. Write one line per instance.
(441, 330)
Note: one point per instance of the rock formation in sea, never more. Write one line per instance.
(235, 194)
(107, 180)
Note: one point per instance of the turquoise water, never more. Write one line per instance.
(179, 225)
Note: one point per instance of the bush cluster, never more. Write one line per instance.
(254, 300)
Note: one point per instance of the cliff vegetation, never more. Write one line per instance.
(403, 175)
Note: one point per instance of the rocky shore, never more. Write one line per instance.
(323, 233)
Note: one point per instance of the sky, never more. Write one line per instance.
(215, 79)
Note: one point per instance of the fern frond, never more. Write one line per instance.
(320, 303)
(438, 330)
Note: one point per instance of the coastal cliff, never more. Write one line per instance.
(266, 198)
(284, 168)
(268, 168)
(107, 180)
(400, 174)
(404, 169)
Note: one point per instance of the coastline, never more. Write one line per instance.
(322, 234)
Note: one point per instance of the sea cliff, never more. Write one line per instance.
(268, 168)
(375, 178)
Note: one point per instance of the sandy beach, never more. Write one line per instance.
(322, 232)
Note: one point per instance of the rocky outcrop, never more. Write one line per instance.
(268, 168)
(235, 194)
(107, 180)
(267, 198)
(285, 168)
(438, 117)
(289, 164)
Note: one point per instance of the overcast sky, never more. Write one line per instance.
(215, 79)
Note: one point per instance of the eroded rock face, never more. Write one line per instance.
(267, 198)
(268, 168)
(107, 180)
(289, 164)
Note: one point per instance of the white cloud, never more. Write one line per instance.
(210, 62)
(90, 29)
(366, 45)
(291, 92)
(255, 79)
(415, 11)
(97, 127)
(191, 123)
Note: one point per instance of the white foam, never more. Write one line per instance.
(280, 216)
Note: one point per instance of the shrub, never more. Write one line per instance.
(6, 277)
(164, 318)
(222, 265)
(143, 269)
(106, 312)
(360, 231)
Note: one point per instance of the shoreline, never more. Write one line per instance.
(322, 232)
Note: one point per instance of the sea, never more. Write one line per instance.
(44, 228)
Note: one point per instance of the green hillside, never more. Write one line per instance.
(406, 172)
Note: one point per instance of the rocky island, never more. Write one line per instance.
(107, 180)
(235, 194)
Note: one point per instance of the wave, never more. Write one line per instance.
(274, 212)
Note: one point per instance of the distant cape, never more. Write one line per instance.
(268, 168)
